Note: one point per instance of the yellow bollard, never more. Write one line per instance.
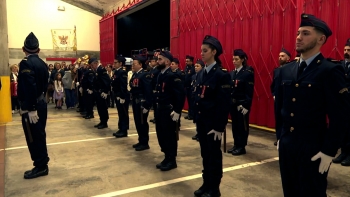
(5, 100)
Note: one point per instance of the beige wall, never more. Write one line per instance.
(40, 16)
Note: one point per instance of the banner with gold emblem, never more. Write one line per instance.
(64, 39)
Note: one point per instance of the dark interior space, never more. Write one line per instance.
(147, 28)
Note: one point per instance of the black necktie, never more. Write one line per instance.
(205, 72)
(302, 66)
(236, 72)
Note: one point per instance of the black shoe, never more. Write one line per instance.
(195, 137)
(120, 134)
(141, 147)
(275, 143)
(231, 149)
(136, 145)
(165, 160)
(212, 194)
(168, 166)
(36, 172)
(239, 151)
(189, 118)
(89, 116)
(199, 192)
(346, 161)
(340, 158)
(98, 125)
(152, 120)
(83, 113)
(102, 126)
(186, 117)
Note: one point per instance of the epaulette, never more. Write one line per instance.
(224, 69)
(333, 61)
(25, 58)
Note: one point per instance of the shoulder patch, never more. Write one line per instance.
(124, 76)
(177, 79)
(250, 83)
(226, 86)
(147, 76)
(25, 58)
(26, 71)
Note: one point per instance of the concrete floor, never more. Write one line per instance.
(88, 162)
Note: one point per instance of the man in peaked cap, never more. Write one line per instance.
(284, 57)
(344, 157)
(32, 86)
(189, 72)
(307, 143)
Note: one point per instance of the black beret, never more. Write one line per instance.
(167, 54)
(91, 60)
(121, 59)
(154, 58)
(140, 58)
(189, 57)
(347, 43)
(176, 60)
(213, 41)
(311, 20)
(285, 51)
(241, 53)
(200, 62)
(31, 43)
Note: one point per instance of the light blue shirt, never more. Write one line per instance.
(308, 61)
(209, 67)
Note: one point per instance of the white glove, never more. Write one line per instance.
(89, 91)
(278, 144)
(104, 95)
(33, 117)
(122, 101)
(325, 161)
(77, 83)
(118, 98)
(81, 90)
(22, 112)
(244, 110)
(217, 134)
(144, 110)
(273, 97)
(175, 116)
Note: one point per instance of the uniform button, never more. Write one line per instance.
(157, 98)
(200, 86)
(309, 85)
(196, 103)
(198, 94)
(293, 99)
(297, 85)
(158, 91)
(199, 112)
(291, 114)
(291, 129)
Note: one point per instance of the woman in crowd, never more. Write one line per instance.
(58, 93)
(13, 81)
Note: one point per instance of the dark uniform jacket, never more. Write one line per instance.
(189, 72)
(32, 81)
(276, 72)
(154, 73)
(347, 73)
(80, 73)
(141, 88)
(87, 81)
(303, 104)
(169, 90)
(242, 85)
(102, 81)
(212, 97)
(182, 76)
(119, 83)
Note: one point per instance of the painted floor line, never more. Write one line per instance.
(182, 179)
(86, 140)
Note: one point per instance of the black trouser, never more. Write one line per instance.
(240, 127)
(154, 110)
(210, 152)
(189, 101)
(142, 127)
(14, 103)
(89, 100)
(300, 176)
(123, 114)
(36, 136)
(166, 131)
(102, 108)
(81, 100)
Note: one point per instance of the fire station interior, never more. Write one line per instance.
(85, 161)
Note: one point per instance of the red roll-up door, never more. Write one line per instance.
(108, 40)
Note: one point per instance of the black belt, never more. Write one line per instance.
(162, 106)
(237, 101)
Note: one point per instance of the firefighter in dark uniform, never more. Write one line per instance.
(170, 97)
(154, 73)
(309, 91)
(195, 78)
(119, 85)
(242, 83)
(211, 103)
(344, 157)
(141, 94)
(189, 71)
(32, 86)
(284, 57)
(175, 67)
(88, 86)
(80, 73)
(102, 85)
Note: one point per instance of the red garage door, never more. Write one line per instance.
(259, 27)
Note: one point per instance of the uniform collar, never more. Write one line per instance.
(308, 61)
(209, 67)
